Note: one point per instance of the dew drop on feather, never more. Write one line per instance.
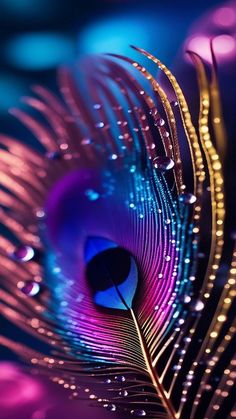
(123, 393)
(160, 122)
(107, 381)
(110, 407)
(99, 125)
(163, 163)
(188, 198)
(120, 378)
(138, 412)
(23, 253)
(31, 288)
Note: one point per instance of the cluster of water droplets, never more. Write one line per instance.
(122, 393)
(23, 254)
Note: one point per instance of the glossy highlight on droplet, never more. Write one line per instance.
(23, 253)
(31, 288)
(163, 163)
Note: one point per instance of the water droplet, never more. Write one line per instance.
(31, 288)
(188, 198)
(120, 378)
(176, 367)
(160, 122)
(23, 253)
(174, 103)
(153, 111)
(138, 412)
(107, 381)
(187, 299)
(167, 258)
(113, 157)
(199, 306)
(92, 195)
(99, 125)
(97, 106)
(123, 393)
(163, 163)
(166, 134)
(110, 407)
(39, 213)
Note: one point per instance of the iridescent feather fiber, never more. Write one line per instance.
(102, 253)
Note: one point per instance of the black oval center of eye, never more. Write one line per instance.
(108, 268)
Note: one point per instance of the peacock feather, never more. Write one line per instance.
(112, 251)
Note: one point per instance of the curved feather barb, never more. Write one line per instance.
(111, 255)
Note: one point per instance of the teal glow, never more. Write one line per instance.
(92, 195)
(11, 89)
(40, 50)
(149, 29)
(26, 8)
(114, 34)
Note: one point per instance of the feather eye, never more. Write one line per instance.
(112, 275)
(104, 237)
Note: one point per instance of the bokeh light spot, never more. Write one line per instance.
(113, 34)
(39, 50)
(116, 32)
(224, 46)
(17, 388)
(225, 17)
(201, 45)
